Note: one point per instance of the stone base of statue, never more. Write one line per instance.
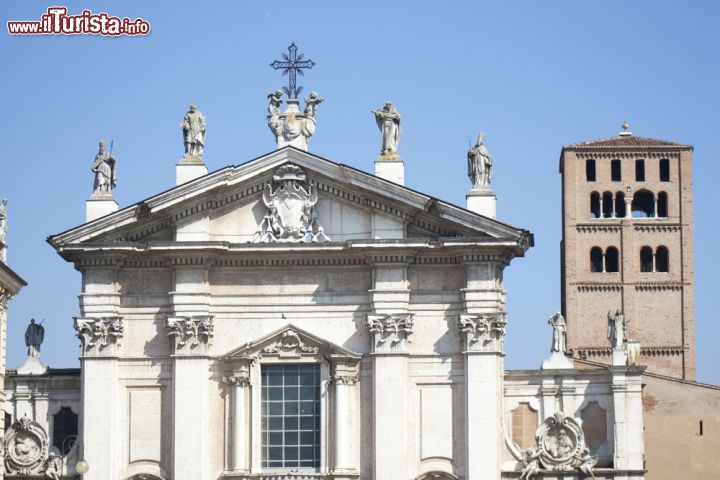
(390, 166)
(189, 168)
(619, 357)
(557, 361)
(291, 127)
(98, 205)
(32, 366)
(482, 200)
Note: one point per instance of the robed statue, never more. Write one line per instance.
(559, 338)
(193, 127)
(479, 164)
(104, 167)
(617, 329)
(34, 335)
(388, 121)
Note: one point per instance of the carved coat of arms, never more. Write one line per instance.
(26, 447)
(291, 215)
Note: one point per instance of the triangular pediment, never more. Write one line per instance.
(352, 205)
(287, 342)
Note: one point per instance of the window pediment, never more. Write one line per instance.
(290, 342)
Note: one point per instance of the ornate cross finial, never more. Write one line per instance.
(292, 64)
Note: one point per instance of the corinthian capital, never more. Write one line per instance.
(190, 332)
(483, 332)
(96, 334)
(390, 331)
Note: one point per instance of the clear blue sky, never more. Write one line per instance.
(533, 75)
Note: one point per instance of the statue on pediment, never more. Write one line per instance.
(388, 121)
(617, 329)
(104, 167)
(479, 164)
(193, 127)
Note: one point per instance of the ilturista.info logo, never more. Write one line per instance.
(56, 21)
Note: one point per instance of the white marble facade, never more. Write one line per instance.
(387, 303)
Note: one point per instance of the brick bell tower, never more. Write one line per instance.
(628, 245)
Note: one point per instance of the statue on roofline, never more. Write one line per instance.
(388, 121)
(104, 167)
(193, 127)
(479, 164)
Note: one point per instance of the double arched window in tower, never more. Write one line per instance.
(644, 204)
(654, 260)
(607, 261)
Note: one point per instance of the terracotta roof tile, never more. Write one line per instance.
(627, 141)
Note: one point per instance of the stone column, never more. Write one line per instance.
(346, 419)
(239, 435)
(627, 418)
(389, 334)
(191, 330)
(191, 337)
(101, 434)
(483, 338)
(482, 329)
(389, 327)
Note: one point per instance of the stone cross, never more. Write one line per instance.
(292, 65)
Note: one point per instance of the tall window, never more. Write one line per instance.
(664, 170)
(590, 170)
(595, 205)
(639, 170)
(662, 205)
(291, 416)
(596, 260)
(612, 260)
(607, 205)
(662, 260)
(620, 204)
(65, 429)
(615, 174)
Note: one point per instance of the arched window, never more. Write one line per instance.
(65, 429)
(643, 204)
(662, 205)
(595, 205)
(590, 170)
(662, 260)
(639, 170)
(596, 260)
(646, 259)
(612, 260)
(620, 205)
(607, 205)
(615, 172)
(664, 170)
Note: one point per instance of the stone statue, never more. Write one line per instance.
(311, 104)
(559, 326)
(388, 121)
(34, 336)
(479, 164)
(532, 463)
(104, 168)
(53, 466)
(617, 330)
(193, 127)
(275, 101)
